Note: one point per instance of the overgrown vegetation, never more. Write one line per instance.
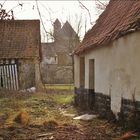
(38, 116)
(63, 99)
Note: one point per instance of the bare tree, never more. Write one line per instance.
(99, 5)
(4, 15)
(8, 15)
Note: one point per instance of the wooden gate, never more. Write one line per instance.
(9, 74)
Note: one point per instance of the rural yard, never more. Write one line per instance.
(37, 116)
(69, 70)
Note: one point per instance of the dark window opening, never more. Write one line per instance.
(82, 72)
(92, 74)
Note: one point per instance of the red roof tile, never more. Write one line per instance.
(19, 38)
(119, 18)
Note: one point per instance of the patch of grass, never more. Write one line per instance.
(59, 87)
(136, 138)
(63, 99)
(40, 107)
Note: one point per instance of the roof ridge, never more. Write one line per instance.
(116, 21)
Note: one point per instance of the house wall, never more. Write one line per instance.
(117, 70)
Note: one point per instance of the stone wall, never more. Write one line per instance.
(57, 59)
(129, 106)
(84, 98)
(54, 74)
(88, 100)
(102, 104)
(56, 66)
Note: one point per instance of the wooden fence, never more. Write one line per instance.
(9, 74)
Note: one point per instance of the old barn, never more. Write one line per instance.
(19, 54)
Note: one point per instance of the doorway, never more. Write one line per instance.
(82, 72)
(92, 74)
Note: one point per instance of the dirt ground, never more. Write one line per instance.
(36, 116)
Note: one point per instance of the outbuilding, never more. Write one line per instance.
(19, 54)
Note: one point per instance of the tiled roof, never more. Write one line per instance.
(20, 39)
(119, 18)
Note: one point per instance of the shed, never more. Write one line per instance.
(19, 54)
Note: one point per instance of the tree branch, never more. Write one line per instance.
(84, 7)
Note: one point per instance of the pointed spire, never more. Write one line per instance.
(57, 28)
(68, 30)
(57, 23)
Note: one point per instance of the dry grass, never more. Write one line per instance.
(29, 116)
(40, 107)
(22, 118)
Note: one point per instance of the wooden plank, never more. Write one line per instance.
(10, 84)
(11, 77)
(1, 81)
(16, 77)
(7, 76)
(14, 80)
(4, 78)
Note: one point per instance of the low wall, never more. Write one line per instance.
(84, 98)
(54, 74)
(87, 99)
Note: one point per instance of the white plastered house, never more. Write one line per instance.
(107, 63)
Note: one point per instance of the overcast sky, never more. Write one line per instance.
(50, 10)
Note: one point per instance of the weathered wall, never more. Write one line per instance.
(56, 66)
(117, 70)
(20, 40)
(54, 74)
(26, 73)
(57, 62)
